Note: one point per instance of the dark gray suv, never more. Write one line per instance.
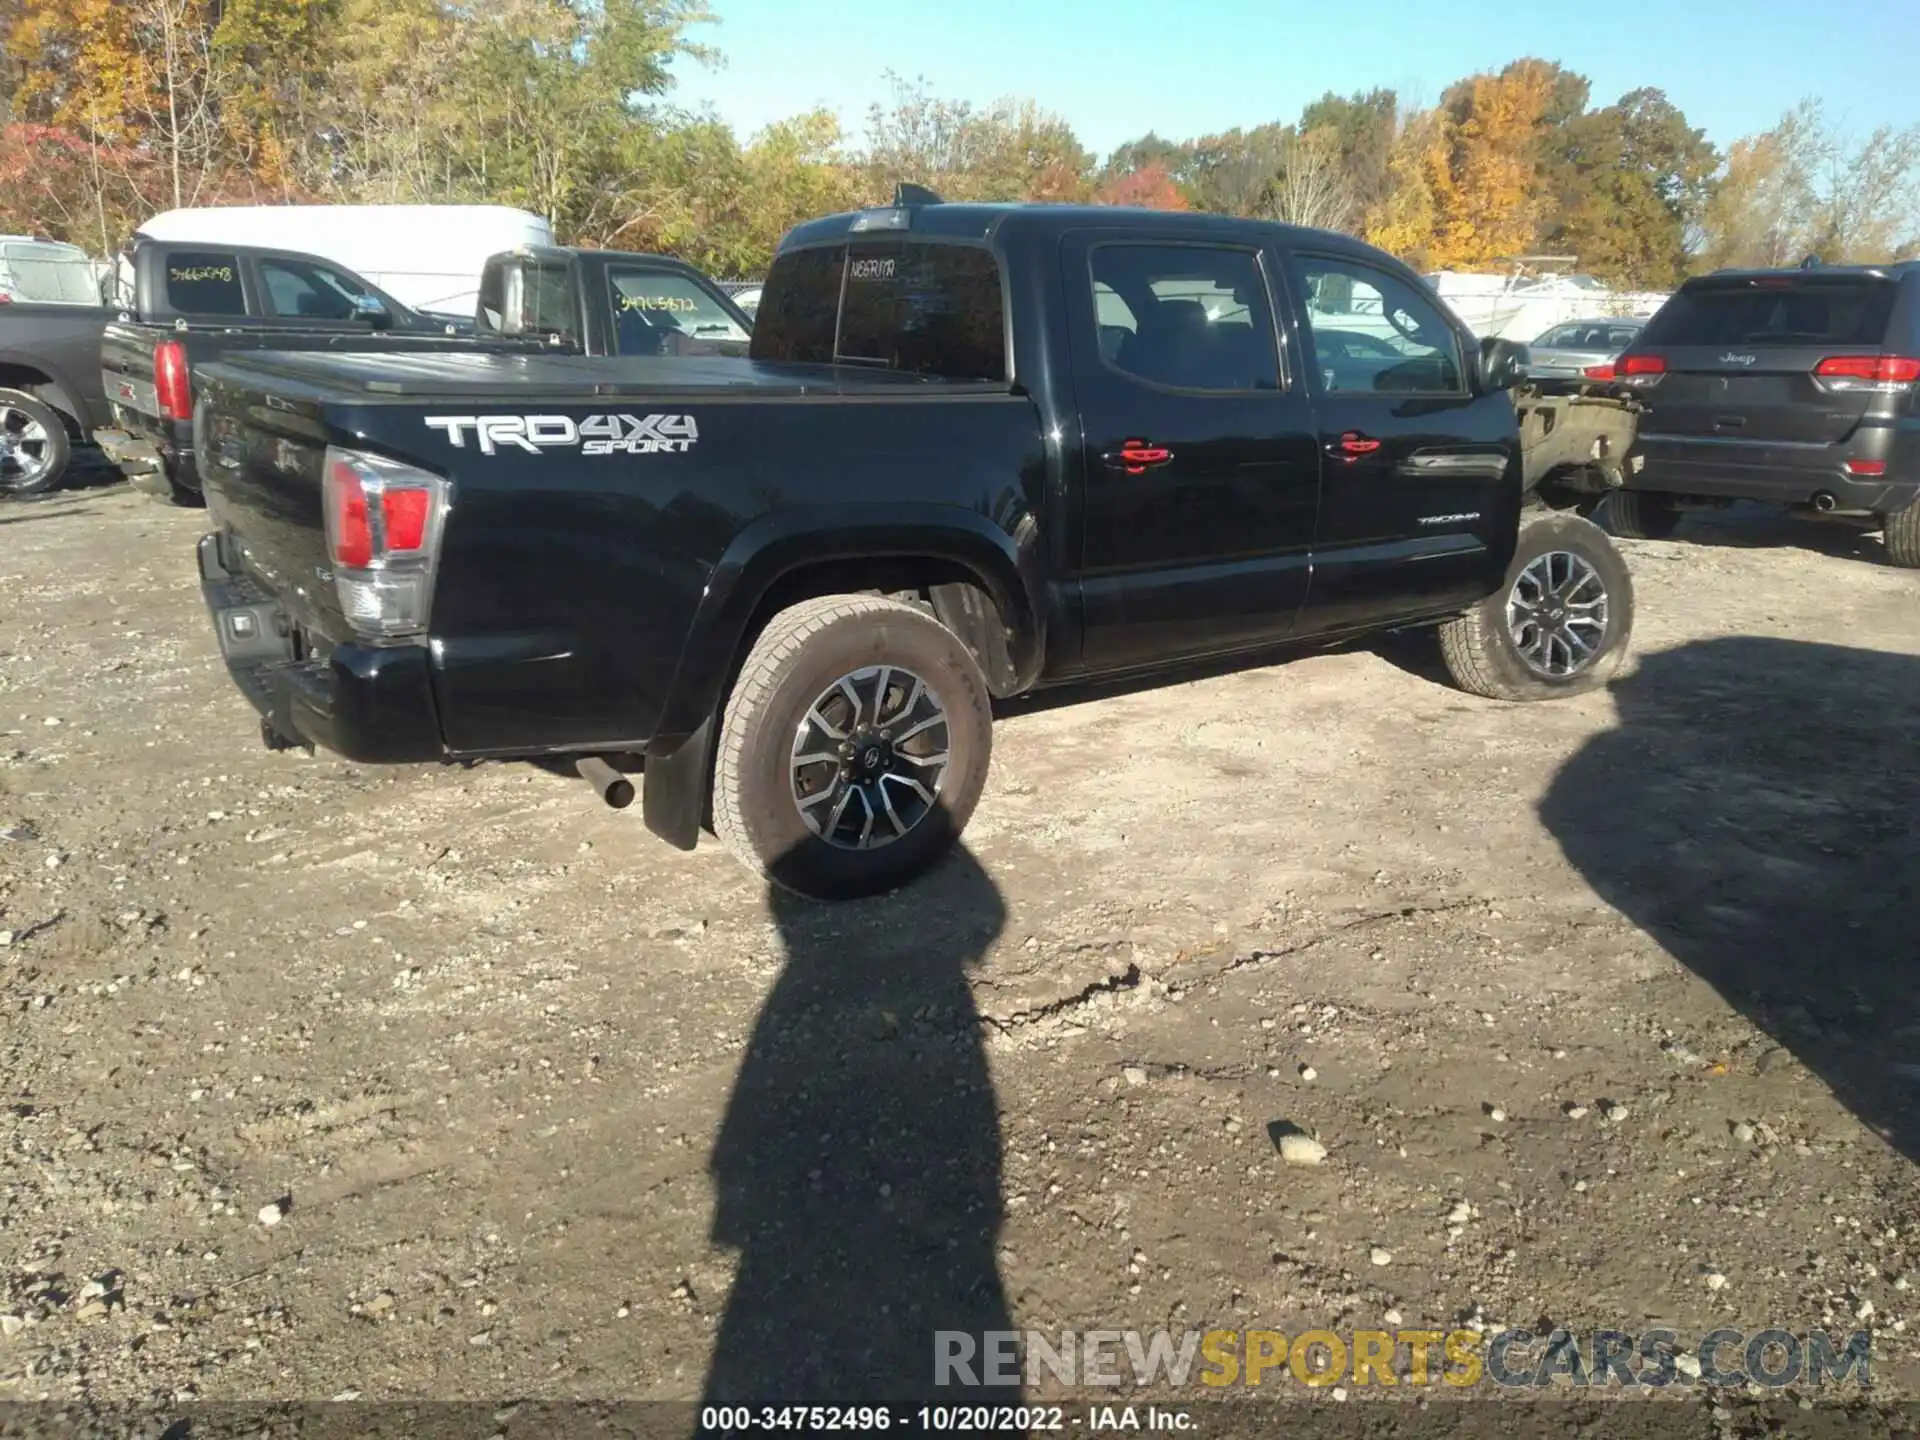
(1799, 387)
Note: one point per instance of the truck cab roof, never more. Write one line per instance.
(965, 221)
(1895, 270)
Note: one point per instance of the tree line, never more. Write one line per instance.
(116, 109)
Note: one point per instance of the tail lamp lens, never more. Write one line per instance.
(383, 531)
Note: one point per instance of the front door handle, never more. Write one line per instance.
(1136, 457)
(1352, 445)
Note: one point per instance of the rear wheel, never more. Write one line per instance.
(1902, 537)
(33, 445)
(854, 747)
(1559, 626)
(1639, 515)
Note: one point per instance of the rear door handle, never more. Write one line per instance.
(1352, 445)
(1136, 457)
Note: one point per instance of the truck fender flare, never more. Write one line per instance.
(57, 391)
(778, 546)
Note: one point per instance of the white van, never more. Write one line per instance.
(428, 257)
(46, 272)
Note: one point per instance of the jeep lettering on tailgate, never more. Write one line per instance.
(595, 435)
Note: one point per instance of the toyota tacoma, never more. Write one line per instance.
(974, 450)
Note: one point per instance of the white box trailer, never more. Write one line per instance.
(428, 257)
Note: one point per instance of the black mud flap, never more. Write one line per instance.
(673, 788)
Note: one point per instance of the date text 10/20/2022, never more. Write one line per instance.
(946, 1419)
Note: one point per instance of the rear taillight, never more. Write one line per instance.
(383, 535)
(1866, 469)
(171, 384)
(1885, 373)
(1639, 371)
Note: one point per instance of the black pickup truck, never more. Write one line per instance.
(195, 305)
(608, 302)
(183, 304)
(50, 396)
(975, 450)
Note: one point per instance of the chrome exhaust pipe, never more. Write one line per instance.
(615, 788)
(1825, 503)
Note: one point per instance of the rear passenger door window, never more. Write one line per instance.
(204, 283)
(1376, 334)
(1186, 317)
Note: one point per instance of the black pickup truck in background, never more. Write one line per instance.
(50, 395)
(608, 302)
(183, 304)
(196, 305)
(976, 450)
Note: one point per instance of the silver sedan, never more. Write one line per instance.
(1566, 350)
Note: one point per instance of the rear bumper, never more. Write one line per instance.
(153, 458)
(1779, 474)
(372, 704)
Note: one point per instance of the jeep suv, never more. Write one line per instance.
(1791, 386)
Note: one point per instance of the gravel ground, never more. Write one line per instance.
(428, 1082)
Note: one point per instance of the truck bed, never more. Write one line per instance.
(512, 381)
(599, 506)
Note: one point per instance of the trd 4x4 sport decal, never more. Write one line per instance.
(595, 435)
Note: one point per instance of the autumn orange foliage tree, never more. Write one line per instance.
(1148, 188)
(118, 108)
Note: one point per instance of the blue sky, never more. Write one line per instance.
(1117, 68)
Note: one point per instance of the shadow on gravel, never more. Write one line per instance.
(1768, 527)
(858, 1167)
(1757, 812)
(17, 513)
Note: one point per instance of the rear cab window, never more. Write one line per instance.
(204, 282)
(529, 297)
(920, 307)
(1850, 311)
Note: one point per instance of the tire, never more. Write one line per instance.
(1493, 650)
(34, 449)
(1638, 515)
(1902, 537)
(769, 723)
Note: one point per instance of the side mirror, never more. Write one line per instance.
(369, 309)
(1503, 364)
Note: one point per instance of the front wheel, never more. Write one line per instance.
(33, 445)
(1560, 625)
(854, 747)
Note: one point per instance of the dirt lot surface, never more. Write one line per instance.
(1604, 1012)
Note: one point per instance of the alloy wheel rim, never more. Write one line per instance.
(869, 757)
(26, 449)
(1557, 614)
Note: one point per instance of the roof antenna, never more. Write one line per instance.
(905, 194)
(1812, 262)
